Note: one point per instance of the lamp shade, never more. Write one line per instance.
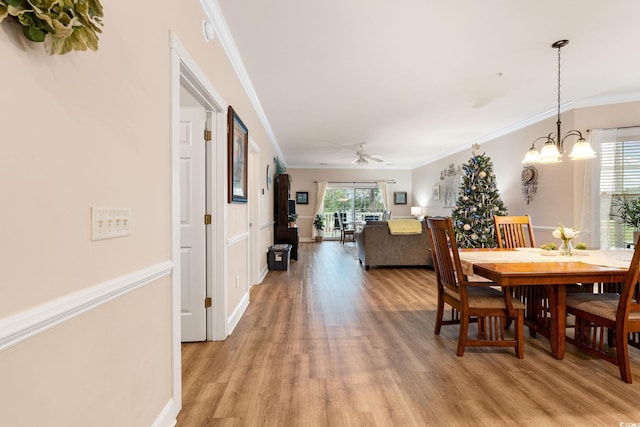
(549, 153)
(582, 151)
(532, 156)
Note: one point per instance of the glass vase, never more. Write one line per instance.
(566, 248)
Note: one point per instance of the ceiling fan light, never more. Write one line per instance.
(532, 156)
(582, 150)
(549, 153)
(361, 161)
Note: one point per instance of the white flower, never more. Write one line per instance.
(482, 174)
(474, 236)
(565, 233)
(473, 187)
(467, 227)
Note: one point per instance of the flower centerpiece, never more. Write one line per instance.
(566, 234)
(63, 25)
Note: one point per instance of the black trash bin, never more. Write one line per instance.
(278, 257)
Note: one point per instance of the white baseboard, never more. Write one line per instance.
(263, 273)
(169, 415)
(234, 319)
(19, 327)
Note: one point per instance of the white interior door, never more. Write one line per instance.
(192, 227)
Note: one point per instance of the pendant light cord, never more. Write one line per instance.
(559, 48)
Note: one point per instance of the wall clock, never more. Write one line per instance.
(269, 177)
(529, 177)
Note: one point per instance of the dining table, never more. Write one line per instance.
(539, 267)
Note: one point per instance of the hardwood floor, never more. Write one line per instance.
(330, 344)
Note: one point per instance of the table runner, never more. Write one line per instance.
(606, 258)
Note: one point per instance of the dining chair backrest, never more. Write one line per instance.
(513, 231)
(629, 296)
(386, 215)
(444, 248)
(342, 218)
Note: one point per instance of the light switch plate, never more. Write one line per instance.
(109, 223)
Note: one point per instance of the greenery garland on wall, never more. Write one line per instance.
(63, 25)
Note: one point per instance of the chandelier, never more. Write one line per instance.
(553, 148)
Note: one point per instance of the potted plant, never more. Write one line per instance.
(318, 223)
(629, 213)
(292, 218)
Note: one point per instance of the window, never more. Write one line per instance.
(619, 179)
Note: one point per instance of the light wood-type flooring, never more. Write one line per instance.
(327, 343)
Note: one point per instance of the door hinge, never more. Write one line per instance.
(207, 302)
(207, 135)
(207, 219)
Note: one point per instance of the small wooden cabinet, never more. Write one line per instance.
(283, 233)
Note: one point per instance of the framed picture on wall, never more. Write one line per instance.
(237, 144)
(302, 197)
(436, 192)
(400, 198)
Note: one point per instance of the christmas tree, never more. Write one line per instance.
(478, 202)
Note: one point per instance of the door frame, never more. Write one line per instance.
(199, 206)
(185, 71)
(255, 207)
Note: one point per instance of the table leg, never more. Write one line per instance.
(558, 306)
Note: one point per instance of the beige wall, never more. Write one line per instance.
(107, 367)
(93, 129)
(304, 180)
(560, 187)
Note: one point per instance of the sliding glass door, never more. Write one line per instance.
(356, 203)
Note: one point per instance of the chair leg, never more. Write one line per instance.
(464, 329)
(519, 332)
(439, 314)
(622, 352)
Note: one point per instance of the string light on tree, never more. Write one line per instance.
(478, 202)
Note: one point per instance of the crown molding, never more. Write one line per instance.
(214, 14)
(568, 106)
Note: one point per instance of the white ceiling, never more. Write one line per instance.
(419, 79)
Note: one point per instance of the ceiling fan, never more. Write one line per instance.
(362, 157)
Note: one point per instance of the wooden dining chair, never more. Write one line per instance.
(616, 313)
(514, 231)
(347, 234)
(471, 300)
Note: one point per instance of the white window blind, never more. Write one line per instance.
(619, 177)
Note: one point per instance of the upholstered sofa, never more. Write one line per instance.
(378, 247)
